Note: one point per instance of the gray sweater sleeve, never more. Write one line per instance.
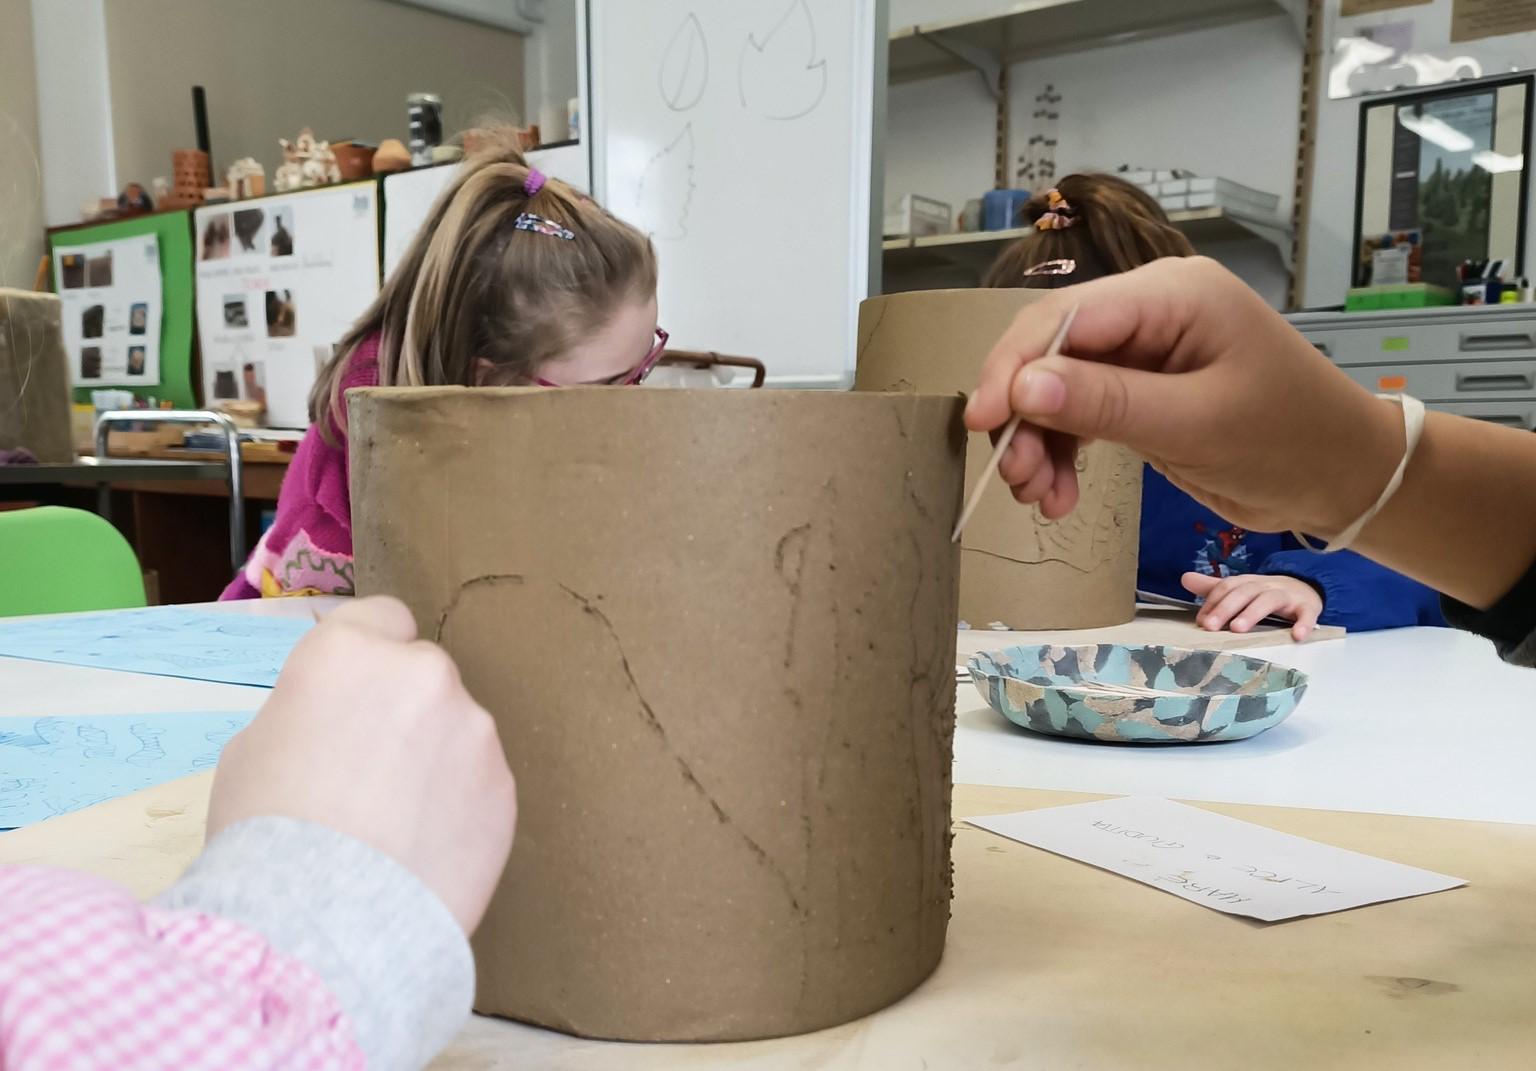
(387, 948)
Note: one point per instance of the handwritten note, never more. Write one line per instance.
(51, 766)
(1216, 861)
(167, 640)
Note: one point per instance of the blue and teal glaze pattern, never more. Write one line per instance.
(1227, 696)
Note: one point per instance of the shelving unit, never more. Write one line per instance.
(1031, 29)
(975, 250)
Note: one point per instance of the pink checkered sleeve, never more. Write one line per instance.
(90, 978)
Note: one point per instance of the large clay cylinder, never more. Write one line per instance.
(715, 629)
(1017, 568)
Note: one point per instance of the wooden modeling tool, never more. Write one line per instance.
(1007, 436)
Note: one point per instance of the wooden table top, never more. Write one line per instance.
(1054, 964)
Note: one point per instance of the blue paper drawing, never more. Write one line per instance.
(166, 640)
(51, 766)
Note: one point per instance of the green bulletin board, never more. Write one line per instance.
(175, 232)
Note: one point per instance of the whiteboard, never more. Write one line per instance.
(738, 134)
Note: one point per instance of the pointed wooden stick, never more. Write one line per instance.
(1007, 436)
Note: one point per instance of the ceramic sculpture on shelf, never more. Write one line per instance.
(246, 178)
(392, 156)
(307, 163)
(190, 176)
(730, 717)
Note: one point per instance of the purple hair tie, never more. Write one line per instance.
(534, 182)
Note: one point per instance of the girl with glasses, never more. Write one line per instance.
(514, 279)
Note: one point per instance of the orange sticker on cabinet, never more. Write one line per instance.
(1392, 383)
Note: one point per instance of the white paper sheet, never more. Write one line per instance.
(279, 280)
(1215, 861)
(111, 294)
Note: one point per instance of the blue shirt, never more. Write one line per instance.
(1179, 535)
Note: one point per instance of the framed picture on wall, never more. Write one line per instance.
(1441, 178)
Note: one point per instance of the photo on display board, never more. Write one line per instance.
(91, 321)
(224, 386)
(282, 232)
(253, 382)
(234, 311)
(135, 360)
(98, 270)
(74, 270)
(138, 318)
(248, 223)
(216, 238)
(281, 315)
(90, 362)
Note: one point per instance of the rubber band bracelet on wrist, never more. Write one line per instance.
(1413, 428)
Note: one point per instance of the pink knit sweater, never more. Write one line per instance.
(308, 549)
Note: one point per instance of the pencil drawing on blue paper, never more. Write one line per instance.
(51, 766)
(167, 640)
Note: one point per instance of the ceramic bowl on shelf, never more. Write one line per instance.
(1137, 694)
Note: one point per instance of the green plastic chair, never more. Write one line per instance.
(55, 560)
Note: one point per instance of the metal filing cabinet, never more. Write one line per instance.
(1475, 360)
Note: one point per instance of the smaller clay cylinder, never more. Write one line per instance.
(1017, 568)
(716, 631)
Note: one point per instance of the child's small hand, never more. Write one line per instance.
(1239, 603)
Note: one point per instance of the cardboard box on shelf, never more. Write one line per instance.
(916, 216)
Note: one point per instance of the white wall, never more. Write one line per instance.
(74, 117)
(906, 13)
(550, 71)
(343, 67)
(21, 182)
(938, 139)
(1221, 101)
(1217, 102)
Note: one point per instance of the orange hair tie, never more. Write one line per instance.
(1059, 213)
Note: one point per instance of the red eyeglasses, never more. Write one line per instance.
(633, 377)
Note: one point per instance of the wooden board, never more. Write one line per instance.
(1054, 964)
(167, 448)
(1152, 625)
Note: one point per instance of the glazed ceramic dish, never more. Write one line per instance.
(1137, 695)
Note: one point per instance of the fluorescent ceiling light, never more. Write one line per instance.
(1496, 163)
(1435, 131)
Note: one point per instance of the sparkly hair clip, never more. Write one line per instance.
(539, 225)
(1059, 213)
(1063, 266)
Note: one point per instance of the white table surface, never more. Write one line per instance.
(1424, 722)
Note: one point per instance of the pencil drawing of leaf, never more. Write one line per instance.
(781, 76)
(684, 72)
(665, 190)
